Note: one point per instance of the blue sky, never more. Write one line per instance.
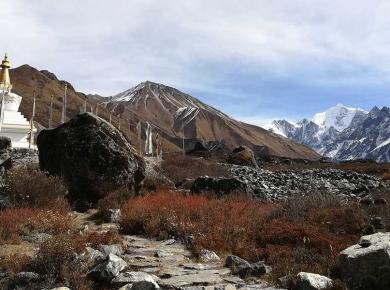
(254, 59)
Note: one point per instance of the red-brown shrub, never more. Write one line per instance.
(15, 222)
(386, 176)
(11, 221)
(225, 225)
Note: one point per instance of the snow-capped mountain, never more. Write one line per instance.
(342, 133)
(173, 113)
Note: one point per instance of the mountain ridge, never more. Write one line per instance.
(355, 137)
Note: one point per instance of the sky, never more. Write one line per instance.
(256, 60)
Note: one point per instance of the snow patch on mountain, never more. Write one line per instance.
(338, 117)
(342, 133)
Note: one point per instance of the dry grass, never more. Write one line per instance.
(95, 239)
(291, 242)
(113, 200)
(16, 222)
(178, 167)
(32, 188)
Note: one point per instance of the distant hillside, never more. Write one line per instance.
(173, 112)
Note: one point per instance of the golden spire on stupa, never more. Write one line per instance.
(5, 81)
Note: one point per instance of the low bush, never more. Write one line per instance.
(15, 263)
(11, 221)
(179, 167)
(16, 222)
(96, 239)
(55, 254)
(33, 188)
(113, 200)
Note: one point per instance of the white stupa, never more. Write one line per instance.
(12, 123)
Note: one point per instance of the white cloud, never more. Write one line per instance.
(106, 46)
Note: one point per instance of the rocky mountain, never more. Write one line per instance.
(342, 133)
(173, 113)
(170, 112)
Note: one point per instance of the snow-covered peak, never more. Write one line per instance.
(129, 94)
(338, 117)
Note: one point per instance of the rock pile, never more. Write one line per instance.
(267, 185)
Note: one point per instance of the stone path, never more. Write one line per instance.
(172, 265)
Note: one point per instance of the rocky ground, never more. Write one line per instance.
(268, 185)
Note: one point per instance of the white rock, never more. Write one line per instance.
(132, 277)
(310, 281)
(109, 269)
(208, 256)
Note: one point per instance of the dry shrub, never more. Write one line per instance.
(113, 200)
(15, 222)
(34, 188)
(51, 222)
(14, 263)
(154, 183)
(55, 254)
(11, 221)
(386, 176)
(96, 239)
(178, 167)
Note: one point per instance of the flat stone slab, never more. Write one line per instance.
(202, 278)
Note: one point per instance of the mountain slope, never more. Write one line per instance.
(343, 133)
(171, 112)
(167, 109)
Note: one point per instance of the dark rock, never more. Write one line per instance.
(218, 185)
(380, 201)
(238, 266)
(369, 230)
(377, 222)
(5, 152)
(366, 200)
(260, 268)
(91, 155)
(243, 156)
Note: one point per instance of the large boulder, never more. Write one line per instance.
(367, 262)
(244, 156)
(91, 155)
(219, 185)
